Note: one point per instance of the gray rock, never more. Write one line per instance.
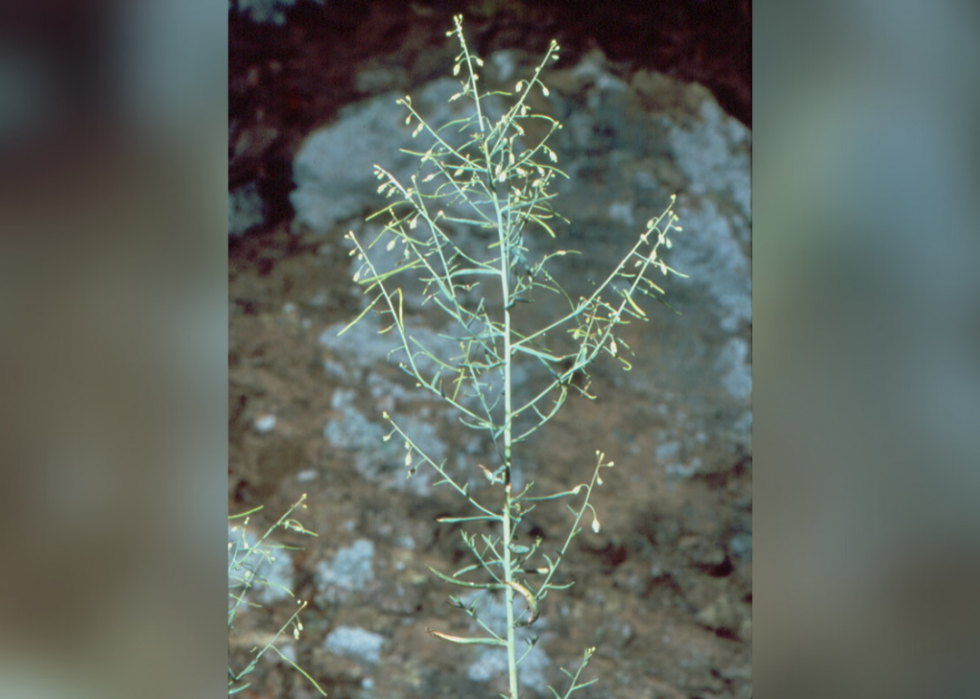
(682, 471)
(708, 250)
(265, 11)
(384, 461)
(667, 451)
(334, 168)
(735, 368)
(387, 462)
(712, 156)
(360, 644)
(265, 424)
(617, 159)
(246, 210)
(740, 546)
(351, 568)
(364, 346)
(353, 431)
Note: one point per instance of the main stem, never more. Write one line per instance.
(503, 234)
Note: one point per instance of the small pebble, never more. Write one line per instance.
(265, 423)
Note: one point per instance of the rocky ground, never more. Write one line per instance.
(664, 591)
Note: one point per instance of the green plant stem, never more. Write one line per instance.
(509, 596)
(506, 190)
(503, 232)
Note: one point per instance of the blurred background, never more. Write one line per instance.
(867, 382)
(114, 211)
(113, 304)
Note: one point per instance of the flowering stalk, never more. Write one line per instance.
(491, 179)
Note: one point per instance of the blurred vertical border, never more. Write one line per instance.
(867, 348)
(113, 378)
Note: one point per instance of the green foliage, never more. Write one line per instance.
(479, 174)
(245, 560)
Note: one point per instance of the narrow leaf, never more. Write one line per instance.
(361, 315)
(469, 641)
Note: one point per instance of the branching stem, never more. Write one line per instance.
(496, 182)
